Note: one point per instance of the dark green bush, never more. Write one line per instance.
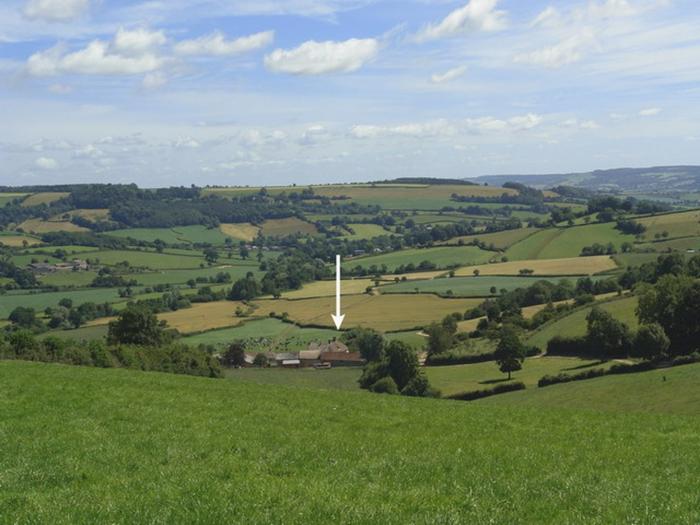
(478, 394)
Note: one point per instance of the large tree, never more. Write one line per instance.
(369, 343)
(651, 342)
(607, 337)
(510, 352)
(137, 325)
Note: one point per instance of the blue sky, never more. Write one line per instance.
(250, 92)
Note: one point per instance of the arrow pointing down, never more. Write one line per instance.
(338, 317)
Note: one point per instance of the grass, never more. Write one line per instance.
(365, 231)
(412, 338)
(182, 276)
(382, 312)
(500, 240)
(94, 215)
(574, 324)
(556, 243)
(203, 316)
(293, 337)
(683, 224)
(144, 259)
(86, 445)
(464, 286)
(682, 244)
(327, 288)
(289, 226)
(465, 378)
(39, 301)
(43, 198)
(39, 226)
(17, 241)
(666, 391)
(569, 266)
(442, 256)
(68, 278)
(339, 378)
(84, 333)
(177, 235)
(9, 197)
(243, 231)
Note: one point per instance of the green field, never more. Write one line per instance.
(85, 445)
(9, 197)
(574, 324)
(365, 231)
(68, 278)
(177, 235)
(464, 286)
(85, 333)
(466, 378)
(39, 301)
(339, 378)
(441, 256)
(153, 260)
(273, 329)
(667, 391)
(182, 276)
(501, 240)
(683, 224)
(556, 243)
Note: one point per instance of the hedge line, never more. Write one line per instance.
(478, 394)
(449, 358)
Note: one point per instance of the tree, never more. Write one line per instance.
(368, 342)
(402, 363)
(260, 360)
(211, 255)
(244, 252)
(159, 245)
(607, 336)
(385, 385)
(245, 289)
(651, 342)
(137, 325)
(476, 272)
(510, 352)
(24, 317)
(440, 337)
(235, 355)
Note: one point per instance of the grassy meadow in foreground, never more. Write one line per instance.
(85, 445)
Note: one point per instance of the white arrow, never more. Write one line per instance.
(337, 318)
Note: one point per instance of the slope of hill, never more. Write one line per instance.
(84, 445)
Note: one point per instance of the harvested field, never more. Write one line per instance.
(289, 226)
(38, 226)
(243, 231)
(327, 288)
(568, 266)
(43, 198)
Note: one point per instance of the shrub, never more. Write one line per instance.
(385, 385)
(478, 394)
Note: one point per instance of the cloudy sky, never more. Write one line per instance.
(237, 92)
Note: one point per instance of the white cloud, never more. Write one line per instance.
(549, 17)
(55, 10)
(96, 59)
(649, 112)
(440, 127)
(215, 44)
(154, 80)
(570, 50)
(46, 163)
(477, 15)
(316, 58)
(137, 41)
(448, 76)
(60, 89)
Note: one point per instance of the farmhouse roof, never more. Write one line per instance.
(310, 354)
(286, 356)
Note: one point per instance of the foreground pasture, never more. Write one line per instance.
(85, 445)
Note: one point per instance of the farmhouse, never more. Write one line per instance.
(75, 265)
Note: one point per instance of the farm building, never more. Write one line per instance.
(75, 265)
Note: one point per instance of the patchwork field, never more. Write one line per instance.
(39, 302)
(667, 391)
(154, 260)
(327, 288)
(381, 312)
(465, 378)
(500, 240)
(575, 323)
(43, 198)
(566, 242)
(177, 235)
(568, 266)
(242, 231)
(675, 224)
(441, 256)
(17, 241)
(108, 445)
(38, 226)
(290, 226)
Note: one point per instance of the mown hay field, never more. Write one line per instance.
(500, 240)
(243, 231)
(381, 312)
(568, 266)
(17, 241)
(554, 243)
(39, 226)
(111, 445)
(464, 286)
(683, 224)
(327, 288)
(442, 256)
(48, 197)
(575, 324)
(465, 378)
(95, 215)
(667, 391)
(289, 226)
(204, 316)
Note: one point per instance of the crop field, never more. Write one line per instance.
(293, 337)
(463, 286)
(465, 378)
(675, 224)
(500, 240)
(556, 243)
(243, 231)
(667, 391)
(113, 444)
(40, 301)
(16, 241)
(327, 288)
(43, 198)
(382, 312)
(365, 231)
(9, 197)
(199, 317)
(409, 197)
(289, 226)
(575, 323)
(569, 266)
(441, 256)
(177, 235)
(144, 259)
(38, 226)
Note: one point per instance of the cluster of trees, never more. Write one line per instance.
(21, 278)
(598, 249)
(525, 195)
(392, 368)
(610, 206)
(673, 263)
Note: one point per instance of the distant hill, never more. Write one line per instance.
(666, 180)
